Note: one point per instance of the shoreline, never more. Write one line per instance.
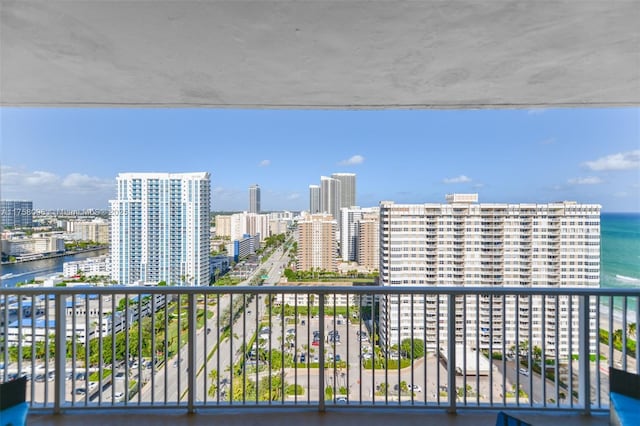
(54, 256)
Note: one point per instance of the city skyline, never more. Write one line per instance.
(69, 158)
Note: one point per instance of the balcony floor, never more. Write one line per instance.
(307, 417)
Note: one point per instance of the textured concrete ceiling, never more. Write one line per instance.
(320, 54)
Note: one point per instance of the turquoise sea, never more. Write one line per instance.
(620, 257)
(620, 250)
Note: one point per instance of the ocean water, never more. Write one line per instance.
(620, 250)
(620, 258)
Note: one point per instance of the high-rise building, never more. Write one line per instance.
(223, 225)
(96, 230)
(314, 199)
(368, 245)
(349, 218)
(330, 197)
(16, 213)
(347, 188)
(462, 243)
(241, 224)
(160, 228)
(254, 199)
(317, 245)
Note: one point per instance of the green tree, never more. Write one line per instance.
(631, 329)
(537, 353)
(381, 390)
(412, 349)
(213, 389)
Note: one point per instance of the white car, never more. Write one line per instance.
(415, 388)
(524, 371)
(118, 396)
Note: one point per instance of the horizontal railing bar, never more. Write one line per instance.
(510, 291)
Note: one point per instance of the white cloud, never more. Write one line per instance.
(14, 177)
(265, 163)
(590, 180)
(356, 159)
(548, 141)
(619, 161)
(536, 111)
(457, 179)
(80, 182)
(621, 194)
(49, 190)
(478, 185)
(294, 196)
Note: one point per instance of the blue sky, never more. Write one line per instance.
(68, 158)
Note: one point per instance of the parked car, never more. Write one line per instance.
(524, 371)
(81, 391)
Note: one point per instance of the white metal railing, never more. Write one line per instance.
(191, 347)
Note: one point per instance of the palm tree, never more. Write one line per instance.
(617, 336)
(631, 330)
(537, 353)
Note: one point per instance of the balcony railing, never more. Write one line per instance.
(192, 347)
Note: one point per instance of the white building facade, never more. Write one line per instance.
(91, 267)
(347, 188)
(314, 199)
(462, 243)
(160, 228)
(350, 218)
(254, 199)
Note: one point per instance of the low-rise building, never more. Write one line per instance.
(94, 266)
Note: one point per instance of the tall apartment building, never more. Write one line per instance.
(223, 225)
(16, 213)
(347, 188)
(462, 243)
(160, 228)
(330, 197)
(349, 234)
(314, 199)
(244, 223)
(254, 199)
(96, 230)
(368, 247)
(349, 218)
(317, 245)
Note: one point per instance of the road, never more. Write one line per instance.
(170, 381)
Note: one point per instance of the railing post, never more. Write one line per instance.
(321, 402)
(61, 351)
(451, 353)
(191, 354)
(584, 361)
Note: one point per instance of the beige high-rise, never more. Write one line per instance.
(317, 245)
(369, 241)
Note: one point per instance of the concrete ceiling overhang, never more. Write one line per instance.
(320, 54)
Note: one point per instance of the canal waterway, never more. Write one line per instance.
(14, 273)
